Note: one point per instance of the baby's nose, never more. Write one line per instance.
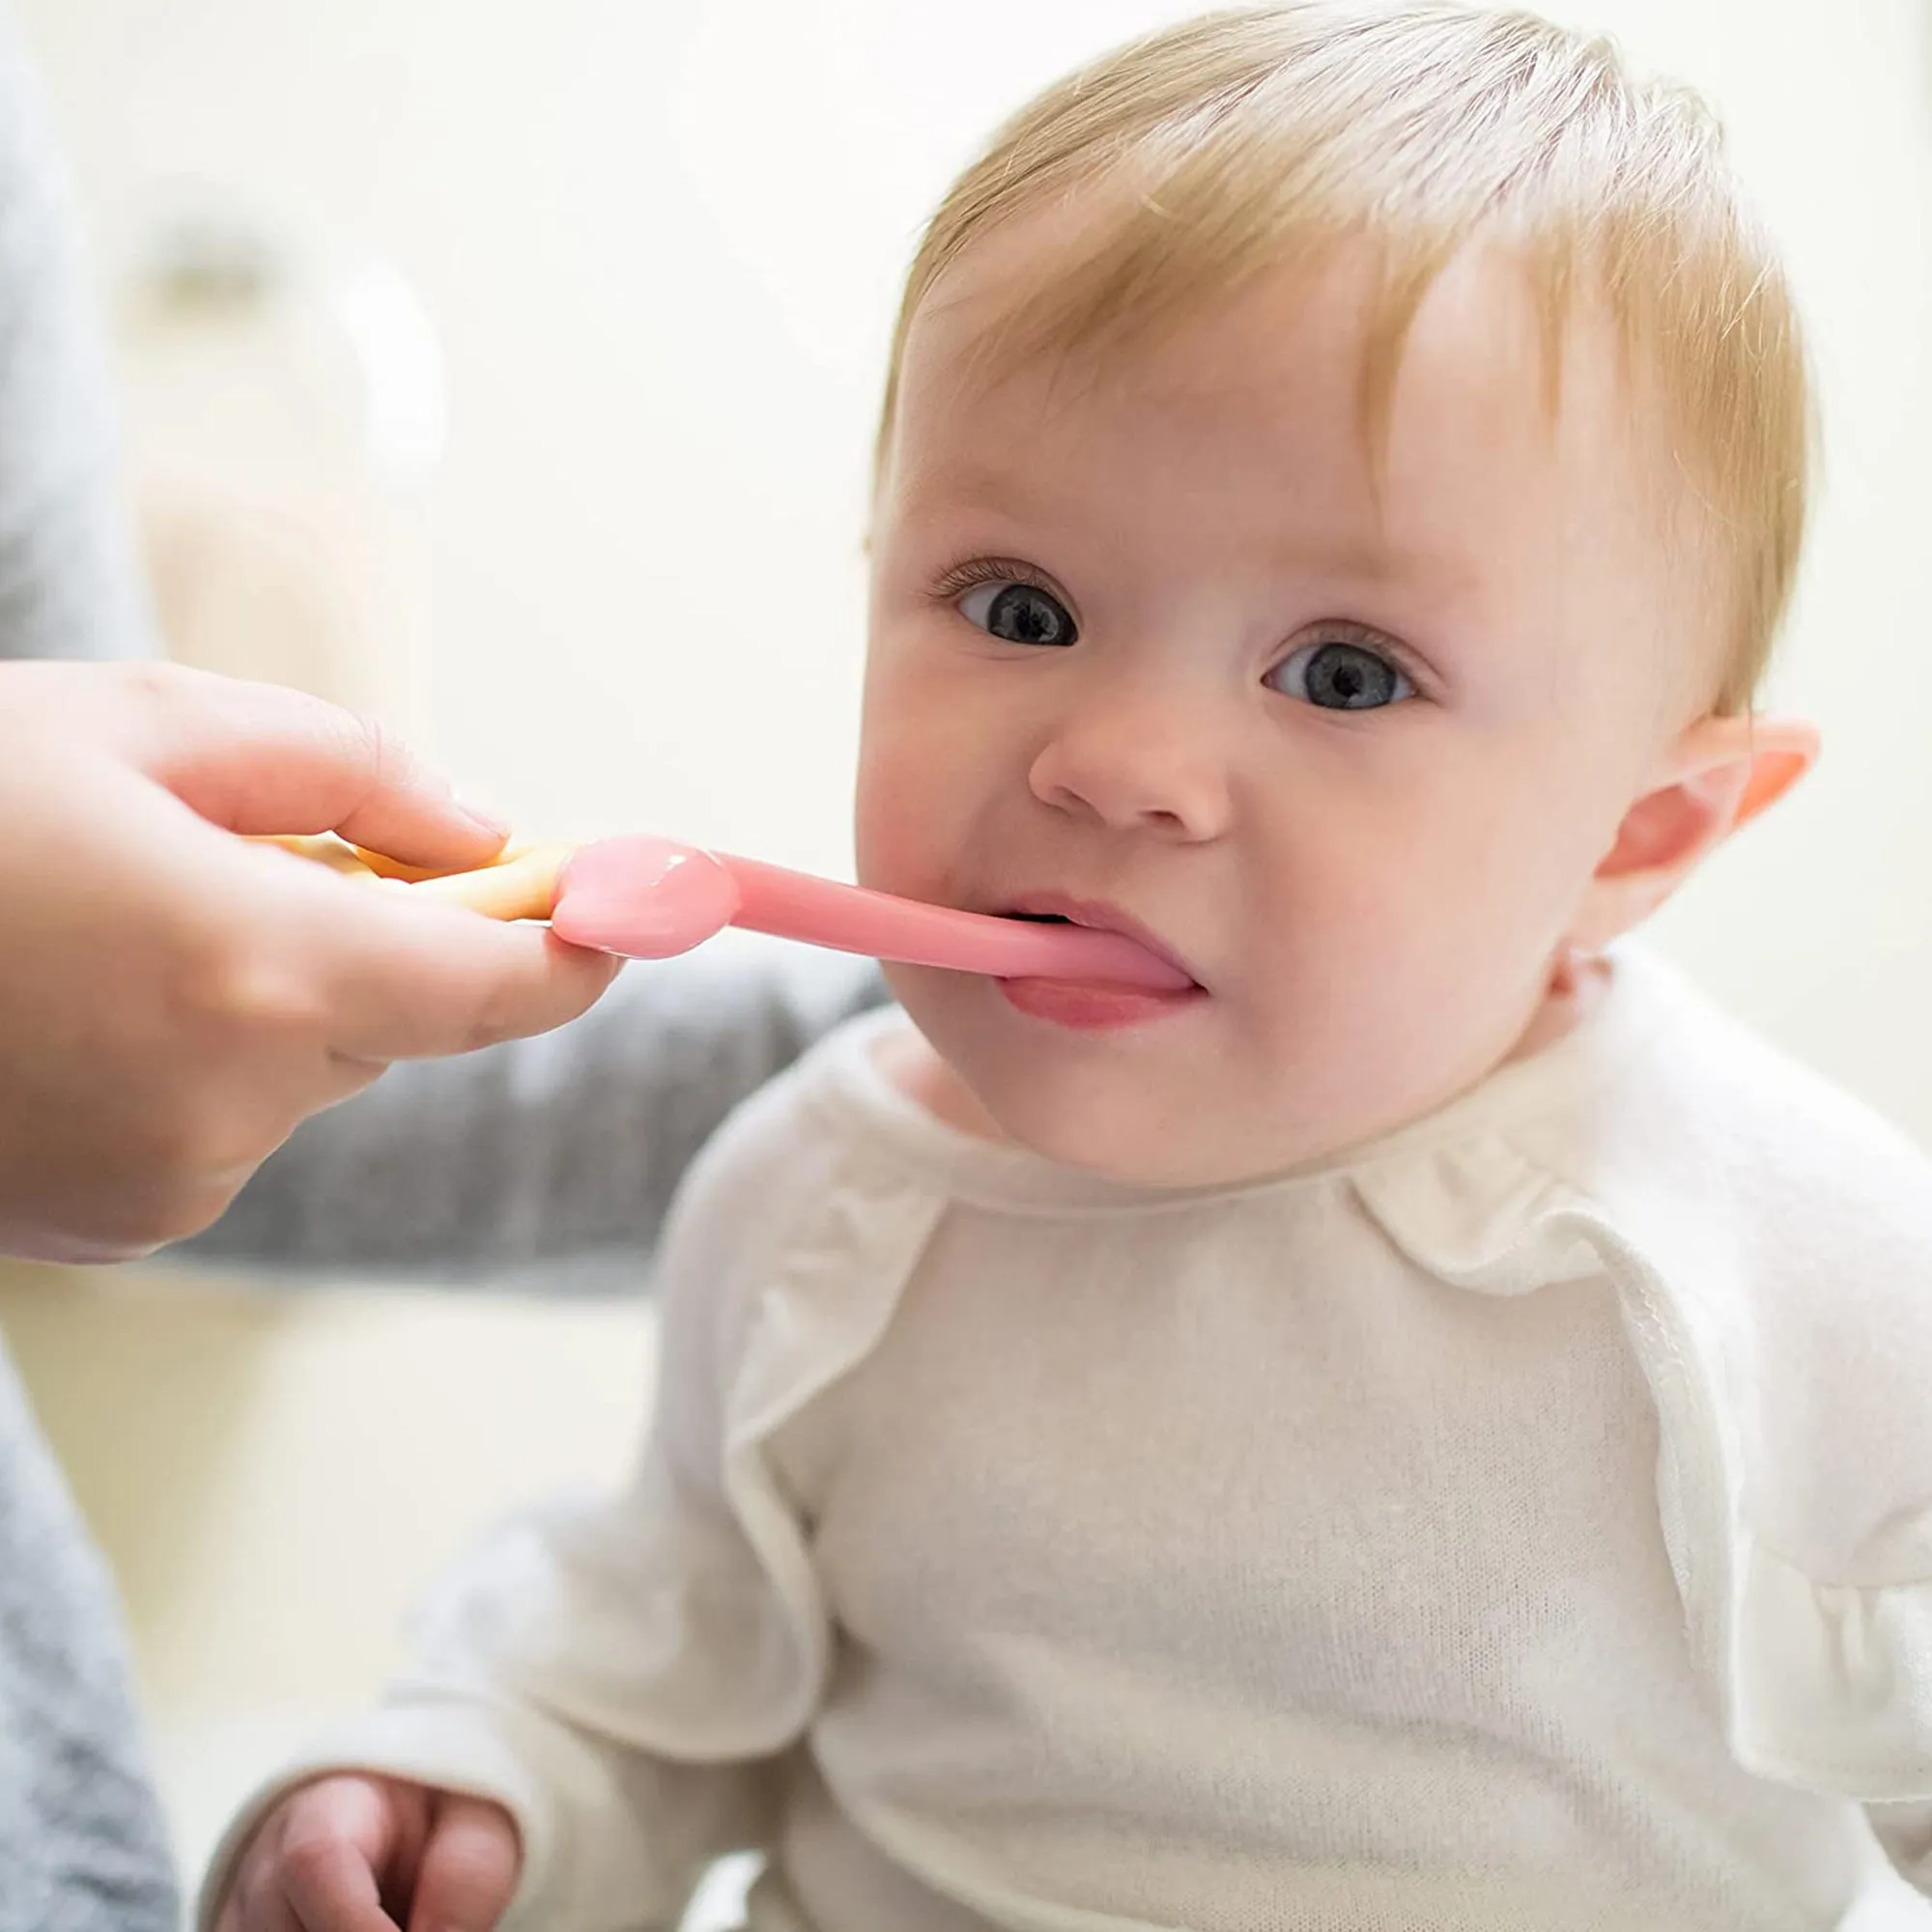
(1138, 761)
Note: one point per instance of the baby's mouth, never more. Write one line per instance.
(1046, 909)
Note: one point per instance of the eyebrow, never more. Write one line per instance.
(975, 488)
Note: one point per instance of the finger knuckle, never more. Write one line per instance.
(310, 1851)
(273, 996)
(156, 701)
(371, 748)
(155, 684)
(490, 1024)
(248, 993)
(521, 1004)
(488, 1011)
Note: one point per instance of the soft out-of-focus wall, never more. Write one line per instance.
(661, 243)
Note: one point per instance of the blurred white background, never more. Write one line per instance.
(660, 244)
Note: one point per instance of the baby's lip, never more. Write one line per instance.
(1103, 917)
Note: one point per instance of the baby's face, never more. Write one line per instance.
(1159, 649)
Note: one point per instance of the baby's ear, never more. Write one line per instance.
(1718, 774)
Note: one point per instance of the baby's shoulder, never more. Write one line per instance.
(1686, 1117)
(1795, 1223)
(1806, 1173)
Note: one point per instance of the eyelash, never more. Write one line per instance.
(962, 577)
(1346, 631)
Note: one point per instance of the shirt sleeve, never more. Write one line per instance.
(69, 585)
(546, 1164)
(625, 1674)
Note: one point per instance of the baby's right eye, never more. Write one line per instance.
(1021, 613)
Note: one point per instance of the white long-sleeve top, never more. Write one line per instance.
(1522, 1523)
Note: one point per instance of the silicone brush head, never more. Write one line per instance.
(645, 897)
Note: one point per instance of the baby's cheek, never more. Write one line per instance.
(903, 796)
(927, 813)
(901, 824)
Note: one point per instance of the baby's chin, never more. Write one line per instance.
(1132, 1152)
(1097, 1112)
(1128, 1135)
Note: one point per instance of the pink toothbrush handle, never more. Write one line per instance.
(652, 899)
(851, 919)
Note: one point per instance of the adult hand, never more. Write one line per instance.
(175, 1000)
(355, 1854)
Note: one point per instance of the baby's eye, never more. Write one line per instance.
(1022, 614)
(1337, 676)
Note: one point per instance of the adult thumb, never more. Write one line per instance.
(256, 757)
(469, 1867)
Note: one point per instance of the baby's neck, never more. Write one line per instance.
(905, 1056)
(1577, 983)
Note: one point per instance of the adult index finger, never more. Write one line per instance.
(407, 980)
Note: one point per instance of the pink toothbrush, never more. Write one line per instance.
(650, 898)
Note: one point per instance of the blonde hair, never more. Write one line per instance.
(1261, 137)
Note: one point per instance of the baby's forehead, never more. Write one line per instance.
(1310, 359)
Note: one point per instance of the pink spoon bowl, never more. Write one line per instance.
(650, 898)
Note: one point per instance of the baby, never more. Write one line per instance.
(1425, 1427)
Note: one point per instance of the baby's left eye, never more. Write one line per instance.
(1337, 676)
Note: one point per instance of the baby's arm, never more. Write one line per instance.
(616, 1678)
